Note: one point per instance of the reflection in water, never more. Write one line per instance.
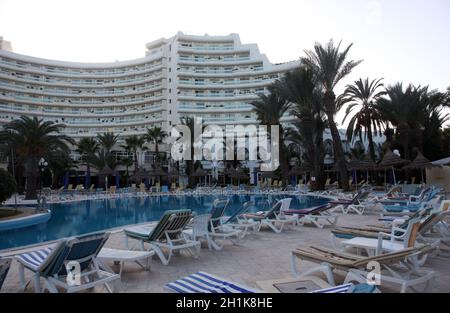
(75, 218)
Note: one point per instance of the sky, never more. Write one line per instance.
(399, 40)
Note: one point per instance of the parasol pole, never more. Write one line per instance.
(393, 173)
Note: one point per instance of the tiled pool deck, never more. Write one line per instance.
(261, 256)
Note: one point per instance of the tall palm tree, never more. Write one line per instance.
(134, 143)
(269, 110)
(127, 162)
(156, 136)
(300, 88)
(190, 123)
(330, 66)
(87, 147)
(107, 140)
(33, 138)
(403, 109)
(362, 96)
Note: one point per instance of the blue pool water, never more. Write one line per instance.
(75, 218)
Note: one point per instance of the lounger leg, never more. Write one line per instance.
(126, 242)
(141, 244)
(161, 255)
(294, 265)
(49, 286)
(37, 283)
(23, 284)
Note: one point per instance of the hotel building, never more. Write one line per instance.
(213, 77)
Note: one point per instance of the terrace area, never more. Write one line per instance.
(260, 256)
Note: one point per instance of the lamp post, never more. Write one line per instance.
(42, 166)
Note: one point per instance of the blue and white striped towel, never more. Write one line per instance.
(202, 282)
(34, 259)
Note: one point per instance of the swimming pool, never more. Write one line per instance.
(81, 217)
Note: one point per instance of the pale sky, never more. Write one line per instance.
(400, 40)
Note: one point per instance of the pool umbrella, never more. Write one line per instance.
(420, 162)
(66, 180)
(390, 160)
(117, 180)
(87, 180)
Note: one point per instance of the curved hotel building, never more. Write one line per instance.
(213, 77)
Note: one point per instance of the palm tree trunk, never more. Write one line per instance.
(156, 153)
(31, 178)
(338, 152)
(318, 161)
(370, 139)
(136, 165)
(283, 160)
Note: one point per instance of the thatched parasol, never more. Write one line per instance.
(299, 170)
(106, 171)
(139, 175)
(199, 172)
(389, 161)
(420, 162)
(238, 173)
(269, 175)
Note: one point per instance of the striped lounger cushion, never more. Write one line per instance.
(34, 258)
(337, 289)
(202, 282)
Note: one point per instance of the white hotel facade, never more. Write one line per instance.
(213, 77)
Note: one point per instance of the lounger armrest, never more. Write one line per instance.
(397, 222)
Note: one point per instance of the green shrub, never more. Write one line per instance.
(8, 185)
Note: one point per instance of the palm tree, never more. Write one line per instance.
(156, 136)
(33, 139)
(107, 140)
(87, 147)
(133, 144)
(59, 163)
(190, 123)
(403, 109)
(362, 96)
(300, 88)
(269, 111)
(330, 66)
(127, 162)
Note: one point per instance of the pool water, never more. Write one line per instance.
(81, 217)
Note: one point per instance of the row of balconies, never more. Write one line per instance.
(80, 72)
(222, 93)
(86, 83)
(82, 102)
(213, 58)
(80, 93)
(200, 46)
(43, 110)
